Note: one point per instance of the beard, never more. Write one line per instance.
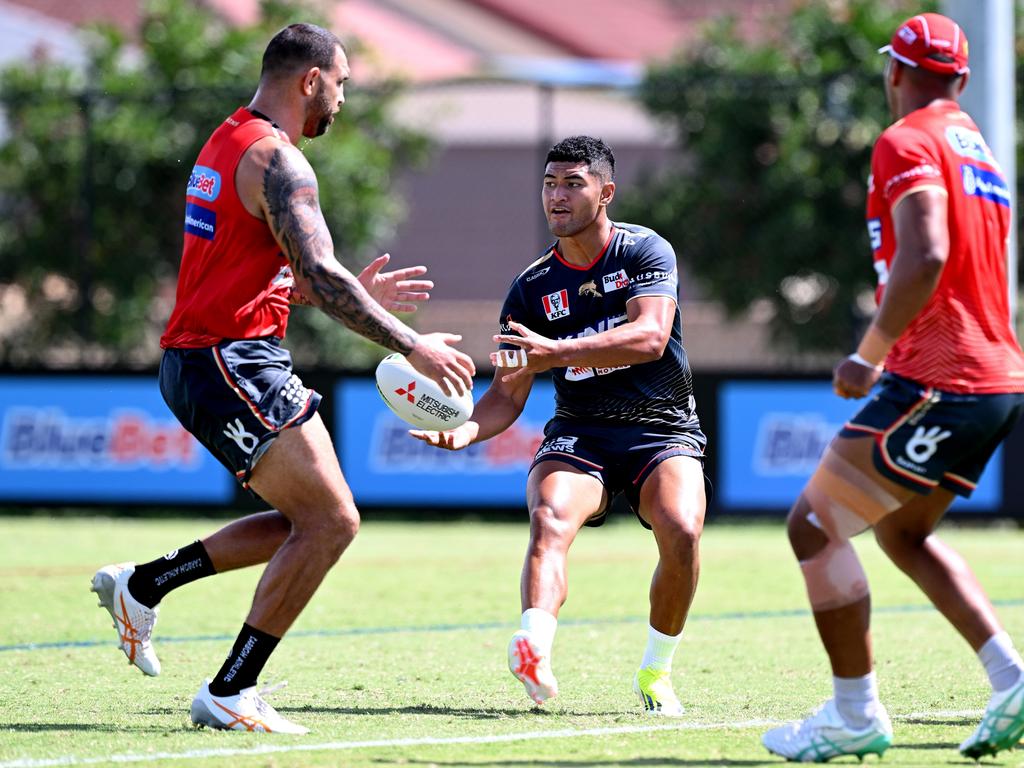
(320, 115)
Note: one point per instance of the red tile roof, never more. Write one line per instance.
(436, 48)
(122, 13)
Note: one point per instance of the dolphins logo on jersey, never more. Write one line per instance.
(589, 288)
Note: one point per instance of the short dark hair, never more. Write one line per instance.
(585, 149)
(299, 46)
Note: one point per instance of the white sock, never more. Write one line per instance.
(660, 650)
(541, 625)
(1002, 663)
(856, 699)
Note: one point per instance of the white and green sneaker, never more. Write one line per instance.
(1002, 725)
(825, 735)
(654, 687)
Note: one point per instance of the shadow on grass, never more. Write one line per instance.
(966, 722)
(636, 761)
(480, 713)
(72, 727)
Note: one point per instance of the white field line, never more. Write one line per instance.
(340, 746)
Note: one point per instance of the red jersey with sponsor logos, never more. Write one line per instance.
(962, 340)
(234, 281)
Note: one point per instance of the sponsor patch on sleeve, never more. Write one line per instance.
(200, 221)
(204, 183)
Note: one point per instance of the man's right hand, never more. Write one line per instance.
(435, 358)
(452, 439)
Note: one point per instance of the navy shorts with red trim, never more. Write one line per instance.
(622, 457)
(236, 397)
(925, 437)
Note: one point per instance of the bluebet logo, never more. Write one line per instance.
(969, 143)
(791, 443)
(199, 221)
(204, 183)
(47, 437)
(392, 452)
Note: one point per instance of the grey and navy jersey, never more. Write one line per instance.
(560, 300)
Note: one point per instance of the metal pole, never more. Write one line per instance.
(990, 96)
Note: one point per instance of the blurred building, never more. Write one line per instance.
(495, 82)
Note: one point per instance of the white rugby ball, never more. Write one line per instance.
(418, 400)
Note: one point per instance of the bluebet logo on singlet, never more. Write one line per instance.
(979, 182)
(968, 143)
(199, 221)
(204, 183)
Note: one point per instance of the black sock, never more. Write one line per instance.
(151, 581)
(245, 662)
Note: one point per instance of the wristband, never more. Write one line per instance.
(874, 346)
(855, 357)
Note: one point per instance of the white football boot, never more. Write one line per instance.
(531, 667)
(246, 711)
(1002, 725)
(133, 621)
(825, 735)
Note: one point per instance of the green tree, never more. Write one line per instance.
(766, 202)
(95, 163)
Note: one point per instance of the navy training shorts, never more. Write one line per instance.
(925, 437)
(621, 457)
(236, 397)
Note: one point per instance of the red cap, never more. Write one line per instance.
(931, 41)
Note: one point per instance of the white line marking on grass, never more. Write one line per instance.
(340, 746)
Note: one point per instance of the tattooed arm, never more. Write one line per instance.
(290, 203)
(276, 183)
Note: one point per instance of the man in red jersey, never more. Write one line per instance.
(952, 378)
(255, 239)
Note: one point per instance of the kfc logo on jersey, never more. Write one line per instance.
(556, 305)
(615, 281)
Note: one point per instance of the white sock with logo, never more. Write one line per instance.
(660, 650)
(541, 625)
(856, 699)
(1002, 663)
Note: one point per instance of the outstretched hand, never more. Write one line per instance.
(537, 353)
(451, 440)
(396, 291)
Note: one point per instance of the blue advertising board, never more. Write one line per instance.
(384, 466)
(92, 439)
(772, 433)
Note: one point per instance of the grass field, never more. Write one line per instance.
(400, 658)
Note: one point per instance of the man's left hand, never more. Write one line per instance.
(396, 291)
(541, 352)
(853, 379)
